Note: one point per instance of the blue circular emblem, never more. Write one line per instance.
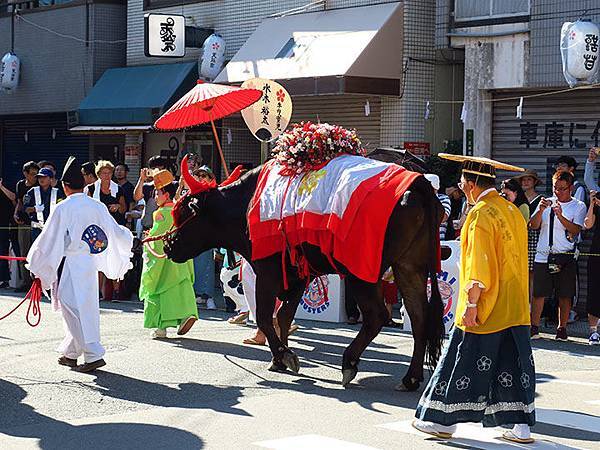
(95, 238)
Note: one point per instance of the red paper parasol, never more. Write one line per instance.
(207, 102)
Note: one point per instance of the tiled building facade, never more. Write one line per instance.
(399, 118)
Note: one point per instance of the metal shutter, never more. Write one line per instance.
(553, 125)
(345, 110)
(40, 144)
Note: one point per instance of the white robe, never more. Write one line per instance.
(76, 294)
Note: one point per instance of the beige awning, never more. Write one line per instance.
(351, 50)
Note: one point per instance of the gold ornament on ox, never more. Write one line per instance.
(310, 182)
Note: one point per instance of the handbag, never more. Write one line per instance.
(557, 261)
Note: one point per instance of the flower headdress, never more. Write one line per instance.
(309, 146)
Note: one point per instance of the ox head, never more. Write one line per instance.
(196, 217)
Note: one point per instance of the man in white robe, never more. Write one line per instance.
(79, 239)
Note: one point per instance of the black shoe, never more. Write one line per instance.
(90, 367)
(392, 324)
(534, 332)
(4, 285)
(69, 362)
(561, 334)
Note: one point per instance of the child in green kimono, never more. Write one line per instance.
(167, 288)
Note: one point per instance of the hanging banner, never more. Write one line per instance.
(164, 35)
(270, 116)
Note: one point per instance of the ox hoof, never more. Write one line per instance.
(408, 385)
(277, 366)
(291, 361)
(348, 375)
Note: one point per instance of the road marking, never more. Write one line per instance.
(576, 421)
(312, 441)
(574, 383)
(476, 436)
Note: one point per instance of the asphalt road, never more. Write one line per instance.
(208, 390)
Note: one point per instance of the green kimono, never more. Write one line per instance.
(167, 288)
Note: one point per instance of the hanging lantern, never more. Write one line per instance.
(212, 58)
(580, 50)
(9, 72)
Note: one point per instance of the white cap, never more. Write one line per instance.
(434, 180)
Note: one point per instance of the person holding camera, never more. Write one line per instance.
(559, 219)
(593, 299)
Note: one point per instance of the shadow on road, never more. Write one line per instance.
(367, 391)
(53, 434)
(184, 395)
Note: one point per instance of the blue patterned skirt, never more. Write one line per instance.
(486, 378)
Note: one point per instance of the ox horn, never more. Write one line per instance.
(193, 185)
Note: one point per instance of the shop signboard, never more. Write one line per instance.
(418, 148)
(164, 35)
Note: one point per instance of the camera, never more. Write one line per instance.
(553, 268)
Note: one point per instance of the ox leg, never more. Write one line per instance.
(412, 284)
(285, 316)
(265, 306)
(369, 298)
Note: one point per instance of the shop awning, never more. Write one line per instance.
(109, 129)
(351, 50)
(136, 95)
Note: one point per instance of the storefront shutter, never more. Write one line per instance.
(551, 126)
(40, 143)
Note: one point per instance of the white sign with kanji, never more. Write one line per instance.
(270, 116)
(164, 35)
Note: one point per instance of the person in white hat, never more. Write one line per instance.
(444, 200)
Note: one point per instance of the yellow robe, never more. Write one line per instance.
(494, 253)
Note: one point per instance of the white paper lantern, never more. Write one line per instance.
(9, 72)
(580, 50)
(213, 57)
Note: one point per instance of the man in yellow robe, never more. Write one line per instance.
(486, 373)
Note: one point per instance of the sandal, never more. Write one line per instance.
(254, 341)
(512, 437)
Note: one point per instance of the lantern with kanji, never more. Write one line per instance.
(213, 57)
(9, 72)
(580, 49)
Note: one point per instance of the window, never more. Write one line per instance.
(470, 10)
(7, 6)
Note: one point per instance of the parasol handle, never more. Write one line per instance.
(223, 162)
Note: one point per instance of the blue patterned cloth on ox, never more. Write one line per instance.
(482, 378)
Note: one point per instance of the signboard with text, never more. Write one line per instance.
(164, 35)
(418, 148)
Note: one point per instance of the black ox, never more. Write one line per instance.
(216, 217)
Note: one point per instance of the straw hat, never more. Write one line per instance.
(162, 178)
(529, 173)
(479, 165)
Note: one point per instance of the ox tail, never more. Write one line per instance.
(434, 323)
